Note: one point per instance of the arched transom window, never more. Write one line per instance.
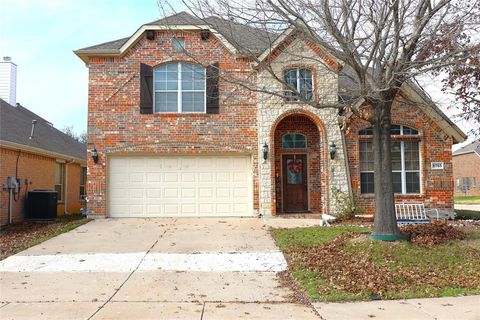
(405, 160)
(294, 140)
(179, 87)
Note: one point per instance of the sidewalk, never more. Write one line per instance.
(461, 308)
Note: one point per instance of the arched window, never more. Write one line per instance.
(301, 80)
(395, 130)
(179, 87)
(405, 161)
(294, 140)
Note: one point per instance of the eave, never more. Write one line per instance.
(84, 54)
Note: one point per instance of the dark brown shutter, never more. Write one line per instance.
(146, 89)
(213, 103)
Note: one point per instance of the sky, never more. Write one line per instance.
(40, 36)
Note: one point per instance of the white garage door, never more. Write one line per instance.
(180, 186)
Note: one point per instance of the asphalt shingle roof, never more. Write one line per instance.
(239, 35)
(471, 147)
(16, 126)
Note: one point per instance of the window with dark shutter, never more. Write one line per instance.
(146, 89)
(212, 74)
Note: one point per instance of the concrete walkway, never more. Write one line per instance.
(152, 269)
(178, 269)
(472, 207)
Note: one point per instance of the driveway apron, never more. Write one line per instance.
(187, 268)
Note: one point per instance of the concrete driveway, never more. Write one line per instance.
(151, 269)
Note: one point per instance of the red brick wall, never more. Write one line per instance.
(116, 126)
(303, 125)
(467, 165)
(435, 146)
(40, 172)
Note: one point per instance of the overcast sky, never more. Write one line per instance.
(40, 36)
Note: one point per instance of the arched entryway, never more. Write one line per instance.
(299, 165)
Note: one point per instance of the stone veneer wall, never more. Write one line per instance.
(272, 109)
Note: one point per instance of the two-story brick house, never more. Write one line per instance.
(175, 136)
(466, 169)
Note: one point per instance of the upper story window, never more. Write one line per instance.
(405, 161)
(294, 140)
(301, 80)
(179, 87)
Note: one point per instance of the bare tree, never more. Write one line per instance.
(385, 45)
(69, 131)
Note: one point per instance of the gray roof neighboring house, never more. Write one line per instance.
(16, 126)
(469, 148)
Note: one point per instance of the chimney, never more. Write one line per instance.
(8, 81)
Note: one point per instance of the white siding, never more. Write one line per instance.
(8, 82)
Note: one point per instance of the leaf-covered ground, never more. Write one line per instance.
(342, 264)
(22, 235)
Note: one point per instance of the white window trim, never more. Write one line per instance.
(179, 92)
(403, 171)
(304, 135)
(297, 87)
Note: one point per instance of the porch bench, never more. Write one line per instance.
(409, 212)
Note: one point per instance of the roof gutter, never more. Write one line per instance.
(437, 115)
(17, 146)
(466, 152)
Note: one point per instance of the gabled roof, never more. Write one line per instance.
(348, 82)
(238, 38)
(15, 130)
(469, 148)
(245, 40)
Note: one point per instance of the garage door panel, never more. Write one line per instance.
(187, 176)
(136, 178)
(171, 209)
(171, 193)
(154, 164)
(222, 176)
(137, 165)
(154, 177)
(180, 186)
(171, 177)
(154, 210)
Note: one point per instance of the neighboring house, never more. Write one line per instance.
(176, 138)
(48, 160)
(466, 169)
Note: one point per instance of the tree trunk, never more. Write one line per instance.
(385, 222)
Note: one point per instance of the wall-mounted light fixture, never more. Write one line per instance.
(95, 155)
(333, 150)
(265, 151)
(205, 34)
(150, 34)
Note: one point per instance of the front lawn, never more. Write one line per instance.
(467, 200)
(23, 235)
(467, 215)
(342, 264)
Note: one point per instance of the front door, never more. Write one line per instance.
(295, 186)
